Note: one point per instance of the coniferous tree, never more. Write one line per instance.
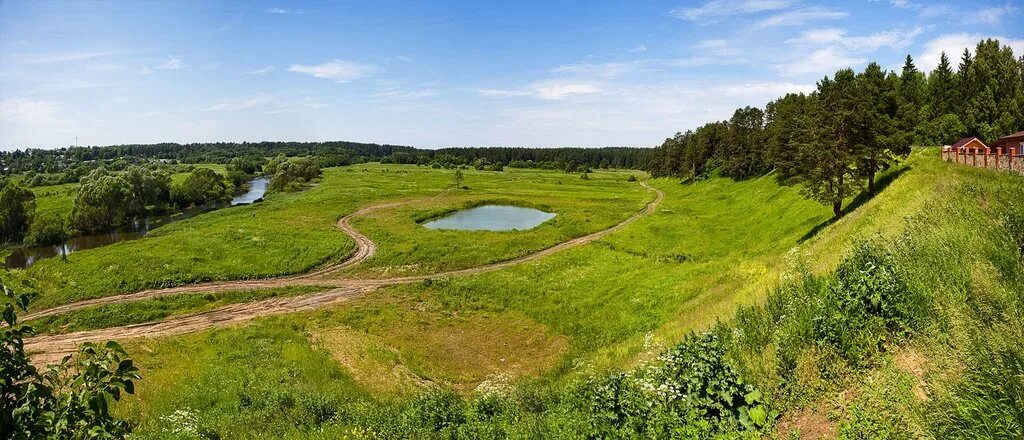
(941, 88)
(828, 164)
(788, 119)
(882, 144)
(911, 95)
(995, 70)
(745, 154)
(967, 92)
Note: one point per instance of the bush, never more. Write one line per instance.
(17, 206)
(69, 400)
(294, 175)
(47, 229)
(867, 302)
(201, 187)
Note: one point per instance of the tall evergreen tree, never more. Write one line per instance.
(828, 164)
(787, 127)
(911, 94)
(941, 88)
(995, 70)
(882, 142)
(967, 92)
(745, 154)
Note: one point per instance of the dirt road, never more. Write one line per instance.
(50, 348)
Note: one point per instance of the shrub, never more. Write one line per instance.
(17, 206)
(47, 229)
(69, 400)
(202, 186)
(866, 303)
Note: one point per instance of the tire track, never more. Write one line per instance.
(49, 348)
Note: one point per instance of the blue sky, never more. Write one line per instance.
(432, 74)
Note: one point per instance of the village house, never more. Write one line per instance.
(1015, 141)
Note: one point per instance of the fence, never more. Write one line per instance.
(986, 158)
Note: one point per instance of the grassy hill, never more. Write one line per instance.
(900, 320)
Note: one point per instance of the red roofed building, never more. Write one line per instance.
(968, 144)
(1015, 141)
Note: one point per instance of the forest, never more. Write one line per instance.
(836, 140)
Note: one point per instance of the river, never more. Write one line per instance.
(26, 256)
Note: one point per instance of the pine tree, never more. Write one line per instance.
(882, 144)
(967, 92)
(995, 70)
(911, 94)
(941, 88)
(828, 163)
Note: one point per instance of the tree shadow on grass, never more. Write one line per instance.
(883, 182)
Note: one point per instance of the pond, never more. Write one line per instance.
(24, 257)
(492, 218)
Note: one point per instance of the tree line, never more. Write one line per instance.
(835, 140)
(110, 197)
(67, 165)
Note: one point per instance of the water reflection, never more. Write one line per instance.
(24, 257)
(491, 218)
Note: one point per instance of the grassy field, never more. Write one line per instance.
(359, 368)
(292, 233)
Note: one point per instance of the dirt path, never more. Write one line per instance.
(49, 348)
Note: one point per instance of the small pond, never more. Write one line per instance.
(24, 257)
(491, 218)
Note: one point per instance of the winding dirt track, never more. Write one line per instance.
(50, 348)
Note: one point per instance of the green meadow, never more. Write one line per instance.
(750, 259)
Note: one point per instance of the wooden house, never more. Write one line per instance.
(1014, 141)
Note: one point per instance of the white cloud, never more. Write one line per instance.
(503, 93)
(33, 123)
(338, 71)
(717, 10)
(895, 39)
(243, 104)
(27, 110)
(988, 16)
(605, 70)
(616, 69)
(762, 89)
(824, 61)
(557, 90)
(801, 16)
(59, 57)
(639, 49)
(261, 71)
(552, 90)
(718, 48)
(171, 63)
(954, 45)
(285, 11)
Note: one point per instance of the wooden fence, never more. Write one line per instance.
(993, 159)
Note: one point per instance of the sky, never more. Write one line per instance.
(435, 74)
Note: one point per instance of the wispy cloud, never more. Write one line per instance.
(717, 10)
(285, 11)
(614, 69)
(27, 110)
(261, 71)
(61, 57)
(801, 16)
(895, 39)
(242, 104)
(954, 45)
(551, 90)
(171, 63)
(824, 61)
(337, 70)
(990, 16)
(639, 49)
(719, 48)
